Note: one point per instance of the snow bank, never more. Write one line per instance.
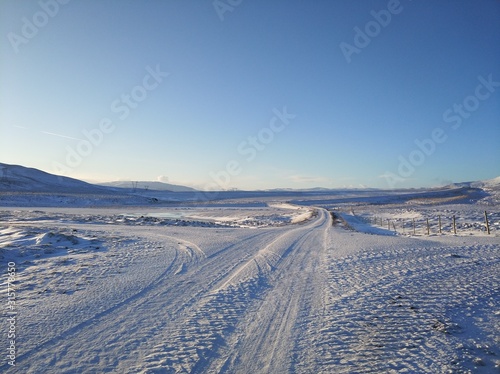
(28, 243)
(357, 224)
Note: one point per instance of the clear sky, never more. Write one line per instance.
(253, 94)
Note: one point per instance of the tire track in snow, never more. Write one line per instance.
(135, 324)
(103, 314)
(193, 346)
(266, 339)
(389, 311)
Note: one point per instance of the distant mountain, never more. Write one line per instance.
(489, 186)
(148, 186)
(23, 179)
(320, 189)
(492, 187)
(491, 183)
(495, 182)
(314, 189)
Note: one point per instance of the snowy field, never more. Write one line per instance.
(252, 283)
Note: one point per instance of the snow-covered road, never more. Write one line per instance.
(299, 298)
(193, 304)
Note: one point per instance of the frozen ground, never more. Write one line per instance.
(255, 284)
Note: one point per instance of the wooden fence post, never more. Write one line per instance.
(487, 223)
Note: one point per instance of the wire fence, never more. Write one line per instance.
(435, 224)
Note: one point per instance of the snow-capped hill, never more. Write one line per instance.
(489, 183)
(148, 186)
(492, 187)
(20, 178)
(492, 183)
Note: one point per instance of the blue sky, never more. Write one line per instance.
(253, 94)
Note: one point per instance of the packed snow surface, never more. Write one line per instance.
(256, 283)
